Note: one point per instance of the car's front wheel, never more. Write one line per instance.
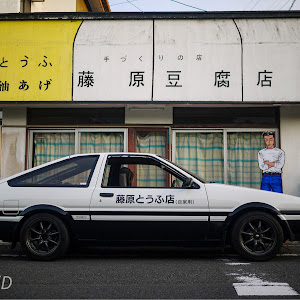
(44, 237)
(257, 236)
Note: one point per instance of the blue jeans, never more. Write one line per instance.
(271, 183)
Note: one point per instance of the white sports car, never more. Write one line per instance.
(132, 198)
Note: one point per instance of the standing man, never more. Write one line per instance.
(271, 161)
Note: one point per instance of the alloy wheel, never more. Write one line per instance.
(43, 237)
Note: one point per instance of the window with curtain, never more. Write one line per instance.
(202, 154)
(154, 142)
(49, 146)
(94, 142)
(242, 165)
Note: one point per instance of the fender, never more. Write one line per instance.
(254, 205)
(43, 207)
(257, 206)
(40, 208)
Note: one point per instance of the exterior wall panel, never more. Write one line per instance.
(10, 6)
(113, 61)
(54, 6)
(290, 143)
(37, 60)
(197, 61)
(271, 59)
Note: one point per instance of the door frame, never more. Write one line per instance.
(132, 134)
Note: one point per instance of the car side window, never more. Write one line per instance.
(137, 171)
(73, 172)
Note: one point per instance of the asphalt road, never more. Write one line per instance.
(147, 273)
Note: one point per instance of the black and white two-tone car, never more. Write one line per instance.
(132, 198)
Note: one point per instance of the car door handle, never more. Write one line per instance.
(106, 194)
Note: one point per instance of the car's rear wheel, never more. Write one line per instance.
(44, 237)
(257, 236)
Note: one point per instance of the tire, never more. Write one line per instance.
(257, 236)
(44, 237)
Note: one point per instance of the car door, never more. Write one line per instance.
(155, 204)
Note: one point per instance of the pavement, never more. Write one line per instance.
(151, 273)
(288, 249)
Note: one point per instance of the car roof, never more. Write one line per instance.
(115, 154)
(76, 155)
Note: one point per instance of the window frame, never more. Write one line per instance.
(168, 168)
(77, 132)
(52, 166)
(224, 131)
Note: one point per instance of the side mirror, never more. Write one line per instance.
(188, 182)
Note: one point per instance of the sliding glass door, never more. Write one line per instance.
(222, 156)
(47, 145)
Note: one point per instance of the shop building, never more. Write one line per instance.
(196, 88)
(38, 6)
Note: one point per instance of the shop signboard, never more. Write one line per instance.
(36, 60)
(170, 60)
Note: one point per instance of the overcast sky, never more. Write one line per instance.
(198, 5)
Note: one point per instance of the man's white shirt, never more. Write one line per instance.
(271, 155)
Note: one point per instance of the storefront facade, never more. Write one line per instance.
(198, 89)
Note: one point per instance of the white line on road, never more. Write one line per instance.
(252, 285)
(237, 264)
(264, 289)
(12, 255)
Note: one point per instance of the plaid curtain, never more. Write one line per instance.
(242, 162)
(202, 154)
(93, 142)
(50, 146)
(155, 143)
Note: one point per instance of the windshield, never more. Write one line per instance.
(187, 171)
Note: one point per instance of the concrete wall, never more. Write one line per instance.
(290, 143)
(0, 148)
(10, 6)
(148, 115)
(13, 141)
(54, 6)
(14, 6)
